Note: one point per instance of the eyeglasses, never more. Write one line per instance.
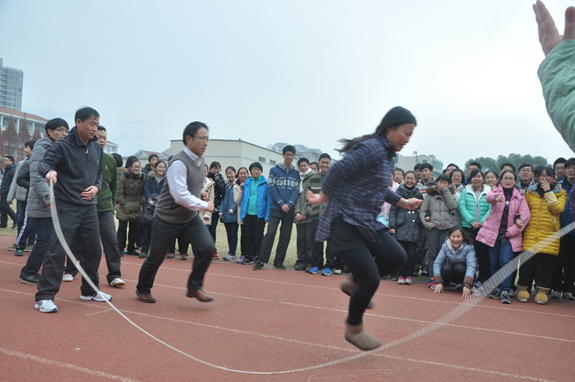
(203, 139)
(525, 171)
(62, 130)
(570, 168)
(508, 179)
(289, 154)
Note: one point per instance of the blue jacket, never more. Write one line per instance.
(151, 188)
(465, 254)
(264, 198)
(227, 203)
(283, 186)
(566, 217)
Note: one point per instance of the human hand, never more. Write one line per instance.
(413, 204)
(549, 36)
(434, 225)
(52, 176)
(500, 198)
(438, 288)
(221, 214)
(49, 207)
(230, 211)
(210, 207)
(545, 185)
(285, 208)
(316, 198)
(392, 231)
(476, 225)
(466, 292)
(90, 192)
(427, 218)
(204, 196)
(519, 223)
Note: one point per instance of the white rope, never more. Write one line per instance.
(462, 308)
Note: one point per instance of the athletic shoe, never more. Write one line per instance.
(30, 280)
(400, 280)
(326, 272)
(117, 282)
(15, 226)
(337, 271)
(142, 255)
(394, 278)
(184, 257)
(259, 265)
(68, 277)
(12, 247)
(216, 257)
(408, 280)
(568, 296)
(46, 306)
(424, 272)
(555, 295)
(415, 274)
(511, 293)
(280, 266)
(314, 271)
(240, 259)
(430, 282)
(100, 297)
(299, 267)
(308, 268)
(459, 287)
(170, 255)
(496, 294)
(475, 292)
(19, 253)
(478, 285)
(505, 298)
(230, 257)
(29, 248)
(246, 262)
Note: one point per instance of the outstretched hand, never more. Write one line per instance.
(549, 36)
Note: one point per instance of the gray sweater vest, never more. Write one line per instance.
(166, 208)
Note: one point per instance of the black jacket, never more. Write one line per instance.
(406, 223)
(7, 180)
(219, 188)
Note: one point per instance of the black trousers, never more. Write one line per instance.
(80, 222)
(5, 211)
(163, 235)
(451, 272)
(110, 244)
(132, 228)
(527, 270)
(482, 254)
(410, 248)
(277, 216)
(564, 269)
(242, 240)
(254, 233)
(435, 239)
(306, 241)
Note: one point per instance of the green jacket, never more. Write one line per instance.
(109, 191)
(557, 76)
(312, 181)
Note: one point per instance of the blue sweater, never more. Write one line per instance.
(263, 196)
(283, 186)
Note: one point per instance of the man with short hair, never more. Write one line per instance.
(176, 215)
(559, 168)
(219, 192)
(525, 178)
(74, 165)
(427, 180)
(283, 187)
(398, 175)
(417, 171)
(507, 166)
(5, 210)
(151, 165)
(38, 208)
(450, 167)
(470, 167)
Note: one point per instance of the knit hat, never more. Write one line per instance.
(256, 164)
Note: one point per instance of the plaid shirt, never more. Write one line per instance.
(357, 186)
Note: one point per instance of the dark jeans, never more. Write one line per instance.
(367, 264)
(482, 254)
(214, 225)
(564, 268)
(44, 235)
(435, 239)
(163, 235)
(453, 273)
(5, 211)
(110, 244)
(132, 228)
(242, 240)
(527, 270)
(306, 241)
(499, 255)
(254, 232)
(26, 231)
(410, 248)
(277, 216)
(146, 236)
(232, 232)
(79, 222)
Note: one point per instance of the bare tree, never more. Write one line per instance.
(23, 137)
(11, 138)
(37, 134)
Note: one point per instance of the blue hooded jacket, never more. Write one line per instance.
(264, 199)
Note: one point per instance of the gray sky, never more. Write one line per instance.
(308, 72)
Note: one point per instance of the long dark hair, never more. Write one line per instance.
(392, 120)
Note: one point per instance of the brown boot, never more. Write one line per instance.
(355, 335)
(522, 295)
(541, 297)
(348, 287)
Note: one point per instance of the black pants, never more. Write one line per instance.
(368, 262)
(214, 225)
(306, 242)
(527, 270)
(242, 240)
(80, 222)
(277, 216)
(482, 254)
(435, 239)
(5, 211)
(163, 235)
(410, 248)
(564, 269)
(132, 228)
(453, 273)
(232, 233)
(146, 236)
(44, 238)
(254, 232)
(110, 244)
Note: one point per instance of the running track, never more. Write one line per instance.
(271, 320)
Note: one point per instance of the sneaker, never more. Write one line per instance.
(142, 255)
(46, 306)
(432, 286)
(280, 266)
(505, 298)
(19, 253)
(246, 262)
(240, 259)
(100, 296)
(170, 255)
(12, 247)
(496, 294)
(511, 293)
(555, 295)
(475, 292)
(216, 257)
(314, 271)
(30, 280)
(430, 282)
(259, 265)
(394, 278)
(424, 272)
(400, 280)
(68, 277)
(308, 268)
(117, 282)
(230, 257)
(459, 287)
(568, 296)
(326, 272)
(15, 227)
(337, 271)
(415, 274)
(299, 267)
(478, 285)
(408, 280)
(184, 257)
(29, 248)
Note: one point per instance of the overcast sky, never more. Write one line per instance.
(308, 72)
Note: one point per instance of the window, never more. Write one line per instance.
(272, 162)
(262, 159)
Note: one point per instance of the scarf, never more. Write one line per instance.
(302, 175)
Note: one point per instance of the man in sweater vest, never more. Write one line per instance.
(177, 215)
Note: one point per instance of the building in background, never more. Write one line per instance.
(34, 121)
(301, 151)
(407, 162)
(111, 147)
(11, 81)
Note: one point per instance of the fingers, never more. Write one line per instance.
(569, 24)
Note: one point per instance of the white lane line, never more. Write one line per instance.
(66, 365)
(103, 311)
(299, 342)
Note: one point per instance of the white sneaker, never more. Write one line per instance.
(100, 296)
(68, 278)
(46, 306)
(568, 296)
(556, 295)
(337, 271)
(475, 292)
(117, 282)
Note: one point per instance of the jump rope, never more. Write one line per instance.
(461, 308)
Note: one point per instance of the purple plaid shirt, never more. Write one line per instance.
(357, 186)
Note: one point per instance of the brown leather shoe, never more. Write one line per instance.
(145, 297)
(200, 295)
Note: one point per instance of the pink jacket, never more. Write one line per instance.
(490, 229)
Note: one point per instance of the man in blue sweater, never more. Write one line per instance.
(283, 187)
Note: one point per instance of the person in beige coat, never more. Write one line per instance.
(242, 176)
